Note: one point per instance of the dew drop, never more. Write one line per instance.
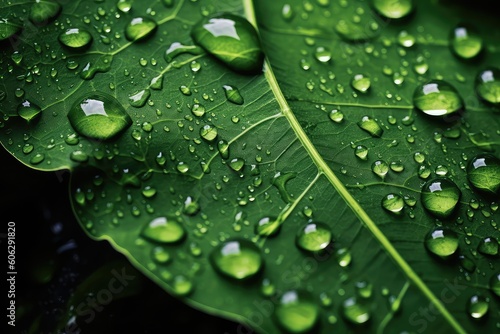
(405, 39)
(393, 203)
(208, 132)
(356, 311)
(343, 256)
(437, 98)
(160, 255)
(37, 159)
(75, 38)
(380, 168)
(177, 48)
(232, 40)
(361, 152)
(44, 11)
(279, 181)
(440, 196)
(336, 115)
(296, 312)
(182, 286)
(393, 9)
(138, 99)
(191, 206)
(238, 259)
(29, 111)
(323, 54)
(495, 284)
(223, 148)
(314, 237)
(488, 246)
(465, 42)
(79, 156)
(164, 230)
(442, 242)
(99, 116)
(233, 94)
(487, 85)
(478, 306)
(140, 28)
(371, 126)
(237, 164)
(361, 83)
(9, 28)
(483, 172)
(124, 5)
(267, 226)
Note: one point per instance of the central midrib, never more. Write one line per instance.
(339, 187)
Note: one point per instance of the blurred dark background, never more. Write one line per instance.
(59, 267)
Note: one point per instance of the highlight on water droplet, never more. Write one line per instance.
(75, 38)
(232, 40)
(442, 242)
(164, 230)
(440, 196)
(487, 85)
(465, 41)
(483, 172)
(44, 11)
(296, 311)
(99, 116)
(314, 237)
(237, 259)
(140, 28)
(361, 152)
(437, 98)
(380, 168)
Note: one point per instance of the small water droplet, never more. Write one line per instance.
(124, 5)
(164, 230)
(442, 242)
(79, 156)
(314, 237)
(233, 94)
(237, 164)
(323, 54)
(487, 85)
(371, 126)
(191, 206)
(393, 203)
(140, 28)
(380, 168)
(223, 148)
(29, 111)
(478, 306)
(343, 256)
(336, 115)
(465, 42)
(160, 255)
(293, 303)
(267, 226)
(361, 83)
(237, 259)
(361, 152)
(356, 311)
(393, 9)
(182, 286)
(75, 38)
(208, 132)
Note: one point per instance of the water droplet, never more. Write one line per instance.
(124, 5)
(148, 192)
(343, 256)
(487, 85)
(267, 226)
(488, 246)
(397, 166)
(495, 284)
(478, 306)
(279, 181)
(182, 286)
(437, 98)
(140, 28)
(361, 83)
(191, 207)
(75, 38)
(336, 115)
(29, 111)
(314, 237)
(393, 9)
(182, 167)
(483, 172)
(393, 203)
(9, 28)
(37, 158)
(177, 48)
(442, 242)
(44, 11)
(419, 157)
(208, 132)
(267, 288)
(79, 156)
(371, 126)
(28, 148)
(323, 54)
(361, 152)
(287, 12)
(232, 40)
(237, 164)
(99, 116)
(405, 39)
(138, 99)
(364, 289)
(465, 42)
(223, 148)
(356, 311)
(441, 170)
(296, 312)
(237, 259)
(380, 168)
(157, 82)
(440, 196)
(160, 254)
(164, 230)
(233, 94)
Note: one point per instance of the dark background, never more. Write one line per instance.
(58, 266)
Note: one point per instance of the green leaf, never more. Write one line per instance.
(288, 200)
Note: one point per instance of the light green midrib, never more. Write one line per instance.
(330, 175)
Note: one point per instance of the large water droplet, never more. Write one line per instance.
(44, 11)
(442, 242)
(297, 312)
(356, 311)
(124, 5)
(465, 42)
(233, 94)
(478, 306)
(393, 9)
(393, 203)
(483, 172)
(164, 230)
(380, 168)
(314, 237)
(237, 259)
(99, 116)
(440, 196)
(9, 28)
(232, 40)
(75, 38)
(437, 98)
(29, 111)
(361, 83)
(371, 126)
(487, 85)
(140, 28)
(208, 132)
(488, 246)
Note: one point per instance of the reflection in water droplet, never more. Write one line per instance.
(442, 242)
(314, 237)
(237, 259)
(487, 85)
(232, 40)
(99, 116)
(336, 115)
(437, 98)
(440, 196)
(483, 172)
(465, 42)
(164, 230)
(296, 312)
(140, 28)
